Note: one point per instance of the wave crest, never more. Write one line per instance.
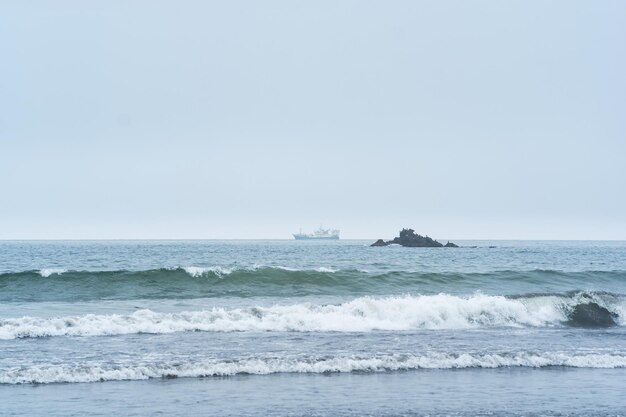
(364, 314)
(45, 273)
(209, 368)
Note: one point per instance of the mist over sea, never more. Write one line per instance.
(304, 328)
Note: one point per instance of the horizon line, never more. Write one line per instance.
(292, 239)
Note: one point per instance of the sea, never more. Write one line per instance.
(312, 328)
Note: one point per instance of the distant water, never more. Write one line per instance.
(311, 328)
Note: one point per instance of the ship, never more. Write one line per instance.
(319, 234)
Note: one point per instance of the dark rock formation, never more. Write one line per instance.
(591, 315)
(409, 238)
(450, 245)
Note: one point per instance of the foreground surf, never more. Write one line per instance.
(209, 368)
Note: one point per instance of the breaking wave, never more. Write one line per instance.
(210, 368)
(363, 314)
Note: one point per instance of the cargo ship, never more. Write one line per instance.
(319, 234)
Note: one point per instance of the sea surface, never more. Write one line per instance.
(299, 328)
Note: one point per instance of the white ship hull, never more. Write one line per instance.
(298, 236)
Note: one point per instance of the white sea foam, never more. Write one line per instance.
(285, 268)
(359, 315)
(195, 271)
(324, 269)
(51, 271)
(93, 372)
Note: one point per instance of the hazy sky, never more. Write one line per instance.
(251, 119)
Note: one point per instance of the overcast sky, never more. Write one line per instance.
(252, 119)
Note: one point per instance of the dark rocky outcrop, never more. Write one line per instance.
(409, 238)
(591, 315)
(450, 245)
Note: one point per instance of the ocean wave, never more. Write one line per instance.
(363, 314)
(88, 372)
(279, 281)
(45, 273)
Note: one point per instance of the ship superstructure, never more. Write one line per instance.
(319, 234)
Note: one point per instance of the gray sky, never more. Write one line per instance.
(246, 119)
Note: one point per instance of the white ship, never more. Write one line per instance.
(319, 234)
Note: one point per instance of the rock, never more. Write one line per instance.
(450, 245)
(409, 238)
(591, 315)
